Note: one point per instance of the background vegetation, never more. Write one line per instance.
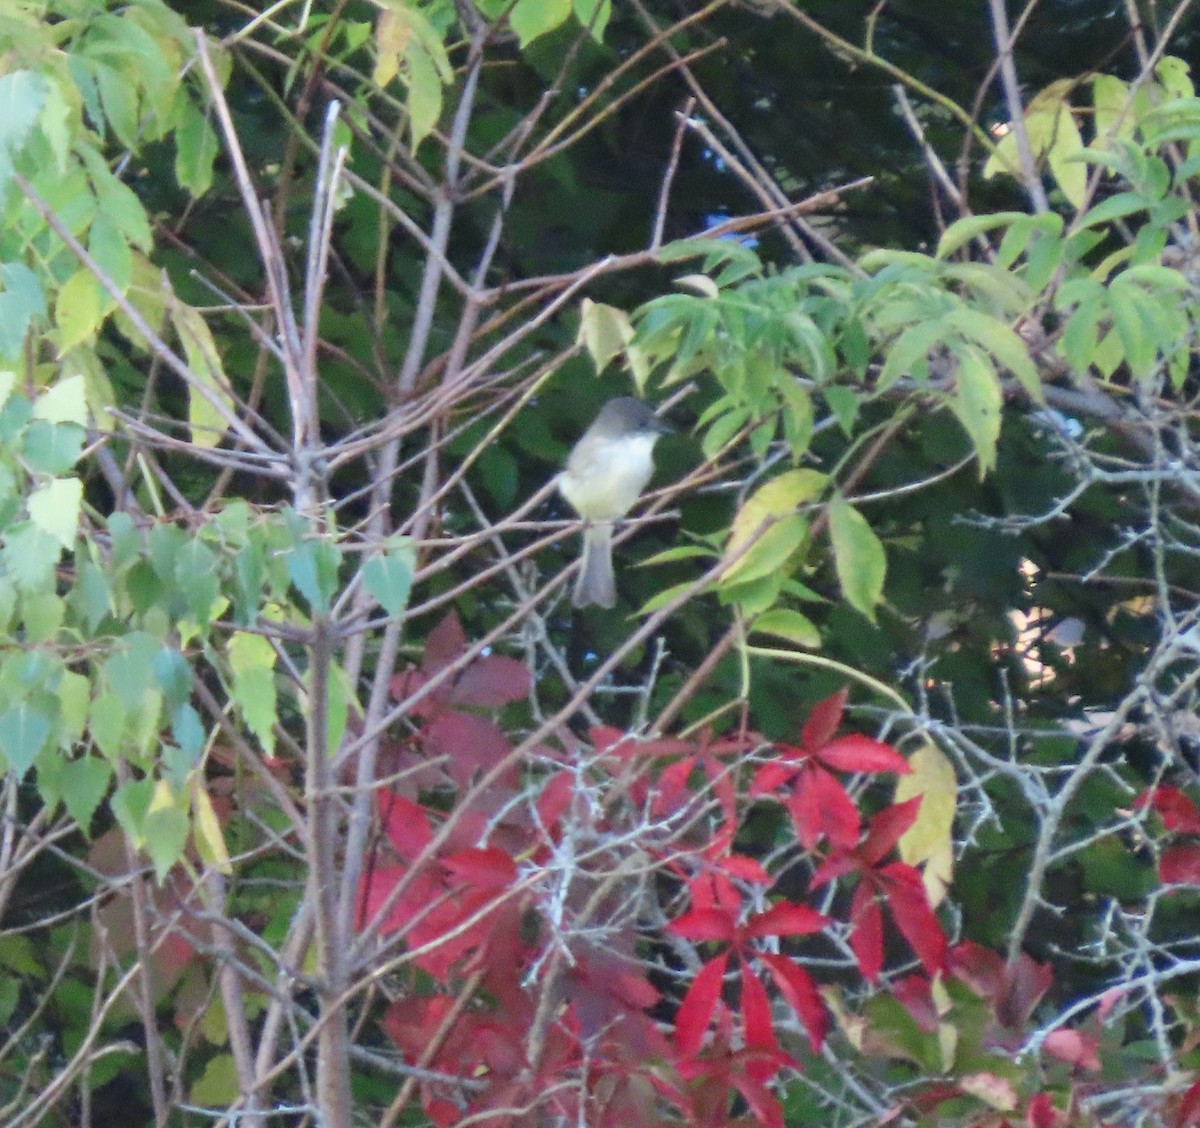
(875, 798)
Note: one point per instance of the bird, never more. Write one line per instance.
(605, 474)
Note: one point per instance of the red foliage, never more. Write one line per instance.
(465, 889)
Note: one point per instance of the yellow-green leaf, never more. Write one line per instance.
(77, 310)
(206, 830)
(858, 555)
(778, 498)
(54, 508)
(785, 623)
(604, 331)
(531, 18)
(929, 841)
(65, 402)
(208, 389)
(977, 402)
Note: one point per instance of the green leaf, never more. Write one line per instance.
(594, 15)
(84, 783)
(1114, 117)
(312, 567)
(173, 675)
(30, 556)
(389, 577)
(196, 577)
(963, 231)
(42, 613)
(977, 403)
(22, 95)
(52, 448)
(130, 804)
(106, 724)
(74, 692)
(165, 831)
(787, 624)
(252, 660)
(54, 508)
(424, 94)
(195, 150)
(858, 555)
(778, 498)
(112, 254)
(65, 402)
(531, 18)
(23, 732)
(769, 553)
(77, 310)
(21, 301)
(998, 340)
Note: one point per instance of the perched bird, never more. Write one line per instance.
(606, 472)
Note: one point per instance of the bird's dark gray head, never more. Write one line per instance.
(625, 417)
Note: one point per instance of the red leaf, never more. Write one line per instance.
(771, 777)
(887, 828)
(469, 742)
(823, 721)
(756, 1013)
(786, 919)
(913, 916)
(797, 987)
(759, 1099)
(747, 869)
(832, 867)
(704, 924)
(1176, 810)
(613, 741)
(1076, 1049)
(862, 754)
(866, 941)
(555, 798)
(821, 808)
(1041, 1113)
(1180, 865)
(1188, 1113)
(915, 995)
(406, 824)
(446, 642)
(978, 967)
(489, 868)
(1025, 984)
(671, 791)
(696, 1010)
(491, 681)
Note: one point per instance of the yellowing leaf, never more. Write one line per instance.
(1113, 120)
(209, 388)
(393, 33)
(930, 839)
(859, 556)
(206, 830)
(977, 402)
(604, 331)
(77, 310)
(785, 623)
(777, 499)
(1053, 136)
(701, 283)
(995, 1091)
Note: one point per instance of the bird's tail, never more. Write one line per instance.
(595, 583)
